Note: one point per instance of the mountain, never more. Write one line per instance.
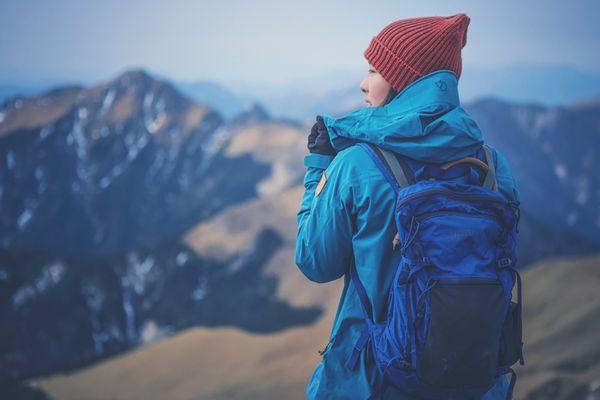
(97, 186)
(118, 165)
(550, 85)
(552, 153)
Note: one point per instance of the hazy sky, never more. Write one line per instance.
(270, 41)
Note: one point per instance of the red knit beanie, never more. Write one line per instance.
(408, 49)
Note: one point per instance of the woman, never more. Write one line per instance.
(411, 89)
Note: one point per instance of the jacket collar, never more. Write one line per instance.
(438, 87)
(424, 121)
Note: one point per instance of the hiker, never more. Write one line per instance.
(347, 212)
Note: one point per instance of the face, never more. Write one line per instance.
(374, 87)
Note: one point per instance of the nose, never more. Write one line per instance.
(362, 86)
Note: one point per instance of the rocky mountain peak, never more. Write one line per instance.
(254, 113)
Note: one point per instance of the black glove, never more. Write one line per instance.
(318, 139)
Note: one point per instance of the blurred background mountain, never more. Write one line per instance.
(147, 212)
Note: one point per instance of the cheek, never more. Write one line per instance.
(379, 89)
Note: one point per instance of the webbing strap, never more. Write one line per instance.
(490, 178)
(380, 164)
(366, 306)
(511, 385)
(360, 289)
(395, 167)
(360, 344)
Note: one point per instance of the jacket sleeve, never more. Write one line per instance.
(325, 228)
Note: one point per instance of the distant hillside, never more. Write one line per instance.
(562, 353)
(562, 321)
(552, 153)
(100, 162)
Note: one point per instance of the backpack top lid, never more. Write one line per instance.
(407, 173)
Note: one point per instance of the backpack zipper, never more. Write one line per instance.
(452, 194)
(429, 214)
(476, 280)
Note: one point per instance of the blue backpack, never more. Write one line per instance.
(451, 326)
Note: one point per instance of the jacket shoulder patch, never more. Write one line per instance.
(321, 183)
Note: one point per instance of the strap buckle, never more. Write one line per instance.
(504, 262)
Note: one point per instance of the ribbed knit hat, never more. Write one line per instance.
(408, 49)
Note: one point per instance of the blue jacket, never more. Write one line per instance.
(352, 214)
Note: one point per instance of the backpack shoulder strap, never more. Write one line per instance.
(394, 167)
(395, 170)
(490, 178)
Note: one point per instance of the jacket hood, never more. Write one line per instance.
(424, 121)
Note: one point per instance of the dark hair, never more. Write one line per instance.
(390, 95)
